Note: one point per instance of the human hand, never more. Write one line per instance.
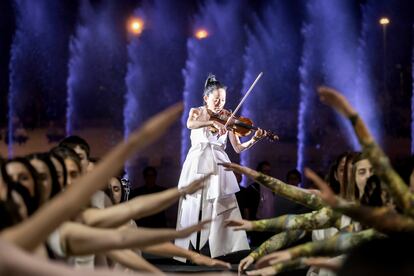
(194, 186)
(199, 259)
(336, 100)
(245, 263)
(259, 134)
(239, 225)
(325, 192)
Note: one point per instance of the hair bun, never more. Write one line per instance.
(211, 80)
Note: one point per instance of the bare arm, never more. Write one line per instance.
(380, 162)
(298, 195)
(238, 146)
(14, 261)
(69, 203)
(139, 207)
(132, 260)
(82, 240)
(171, 250)
(333, 246)
(194, 121)
(383, 219)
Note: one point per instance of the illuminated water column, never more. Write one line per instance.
(37, 64)
(156, 58)
(308, 71)
(342, 65)
(97, 67)
(274, 47)
(216, 47)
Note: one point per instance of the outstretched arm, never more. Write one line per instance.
(132, 260)
(171, 250)
(30, 233)
(383, 219)
(332, 246)
(380, 162)
(293, 193)
(323, 218)
(14, 261)
(82, 240)
(138, 207)
(278, 241)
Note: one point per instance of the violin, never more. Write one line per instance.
(241, 126)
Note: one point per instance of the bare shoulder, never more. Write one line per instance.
(195, 112)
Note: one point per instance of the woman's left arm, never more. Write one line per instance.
(238, 146)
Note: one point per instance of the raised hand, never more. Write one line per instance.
(245, 263)
(240, 169)
(274, 258)
(194, 186)
(239, 225)
(336, 100)
(325, 192)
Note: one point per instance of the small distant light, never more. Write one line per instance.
(136, 26)
(384, 21)
(201, 34)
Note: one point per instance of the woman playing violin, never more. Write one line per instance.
(217, 200)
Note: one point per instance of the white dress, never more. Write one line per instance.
(218, 195)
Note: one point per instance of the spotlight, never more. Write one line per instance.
(136, 26)
(201, 34)
(384, 21)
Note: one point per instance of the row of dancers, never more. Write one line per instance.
(60, 206)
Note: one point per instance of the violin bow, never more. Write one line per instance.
(243, 99)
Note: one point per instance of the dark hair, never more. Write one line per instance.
(45, 158)
(125, 189)
(212, 84)
(294, 172)
(32, 202)
(9, 213)
(372, 192)
(350, 187)
(331, 179)
(65, 152)
(149, 169)
(73, 141)
(353, 184)
(261, 164)
(62, 163)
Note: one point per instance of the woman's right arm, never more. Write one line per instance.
(194, 121)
